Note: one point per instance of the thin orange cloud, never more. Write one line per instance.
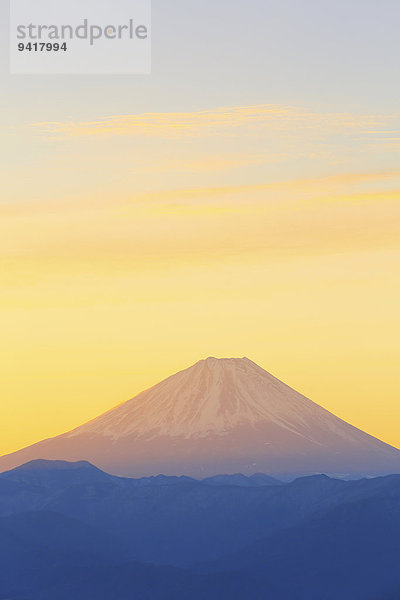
(207, 122)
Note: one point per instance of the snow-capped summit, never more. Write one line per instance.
(218, 416)
(212, 397)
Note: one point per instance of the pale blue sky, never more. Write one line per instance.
(318, 56)
(341, 54)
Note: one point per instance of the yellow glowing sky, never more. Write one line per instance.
(135, 241)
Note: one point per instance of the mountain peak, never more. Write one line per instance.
(225, 362)
(55, 465)
(213, 396)
(219, 415)
(227, 359)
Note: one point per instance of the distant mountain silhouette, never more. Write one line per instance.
(71, 531)
(255, 480)
(219, 416)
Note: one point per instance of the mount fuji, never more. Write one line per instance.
(219, 416)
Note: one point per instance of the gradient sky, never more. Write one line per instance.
(241, 200)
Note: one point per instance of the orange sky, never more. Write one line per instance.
(105, 293)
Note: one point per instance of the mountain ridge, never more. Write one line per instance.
(313, 538)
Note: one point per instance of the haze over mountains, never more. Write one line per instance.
(71, 531)
(218, 416)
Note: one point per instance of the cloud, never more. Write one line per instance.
(225, 120)
(208, 163)
(339, 187)
(344, 213)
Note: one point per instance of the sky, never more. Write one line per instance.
(242, 200)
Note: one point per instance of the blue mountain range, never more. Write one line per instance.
(70, 530)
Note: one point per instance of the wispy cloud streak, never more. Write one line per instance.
(225, 119)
